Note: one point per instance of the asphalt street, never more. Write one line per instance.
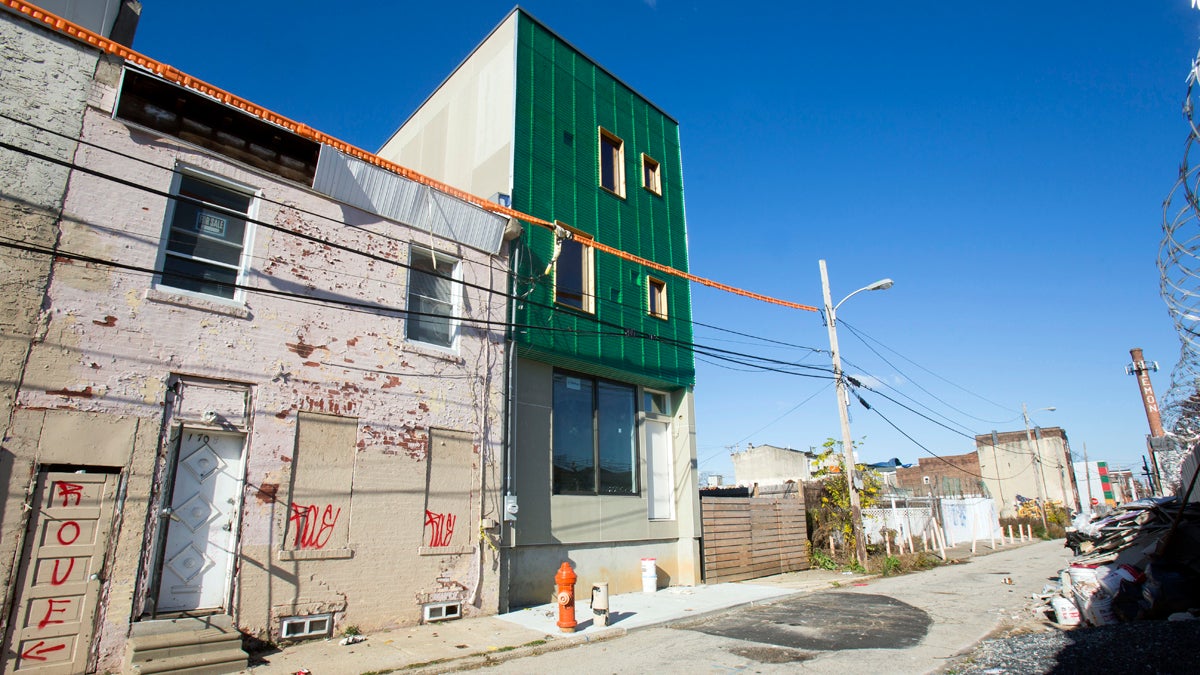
(915, 623)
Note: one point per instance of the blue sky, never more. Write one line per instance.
(1004, 162)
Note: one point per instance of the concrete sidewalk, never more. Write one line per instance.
(466, 643)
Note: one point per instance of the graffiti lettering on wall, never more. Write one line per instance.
(441, 527)
(312, 525)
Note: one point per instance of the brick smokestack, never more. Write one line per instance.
(1141, 370)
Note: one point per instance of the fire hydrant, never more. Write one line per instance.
(566, 598)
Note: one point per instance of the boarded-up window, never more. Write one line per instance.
(449, 493)
(322, 473)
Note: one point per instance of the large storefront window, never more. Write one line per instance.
(595, 444)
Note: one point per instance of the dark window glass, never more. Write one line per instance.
(570, 287)
(618, 451)
(574, 435)
(594, 438)
(203, 252)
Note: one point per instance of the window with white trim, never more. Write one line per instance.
(204, 243)
(432, 297)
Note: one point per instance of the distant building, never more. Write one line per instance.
(1010, 466)
(773, 465)
(944, 476)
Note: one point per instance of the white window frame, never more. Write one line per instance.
(251, 214)
(665, 487)
(455, 302)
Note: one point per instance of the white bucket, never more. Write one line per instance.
(1065, 612)
(649, 575)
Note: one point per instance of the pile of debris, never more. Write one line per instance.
(1139, 561)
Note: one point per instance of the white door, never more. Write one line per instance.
(197, 559)
(59, 582)
(661, 492)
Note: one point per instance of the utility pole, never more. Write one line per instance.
(1087, 476)
(860, 544)
(1036, 453)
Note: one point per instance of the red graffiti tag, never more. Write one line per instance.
(68, 490)
(62, 527)
(56, 580)
(51, 610)
(441, 527)
(313, 526)
(35, 652)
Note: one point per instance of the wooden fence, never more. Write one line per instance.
(750, 537)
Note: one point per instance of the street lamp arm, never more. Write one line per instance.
(881, 285)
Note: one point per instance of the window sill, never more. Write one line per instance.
(315, 554)
(445, 550)
(652, 191)
(619, 195)
(434, 351)
(194, 302)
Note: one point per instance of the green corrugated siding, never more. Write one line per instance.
(561, 92)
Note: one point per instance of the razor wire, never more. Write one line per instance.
(1179, 272)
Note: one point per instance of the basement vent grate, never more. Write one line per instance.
(443, 611)
(296, 627)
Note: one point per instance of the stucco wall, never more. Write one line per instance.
(769, 465)
(114, 346)
(1009, 468)
(46, 80)
(599, 534)
(463, 133)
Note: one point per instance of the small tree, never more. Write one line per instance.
(832, 518)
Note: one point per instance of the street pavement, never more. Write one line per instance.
(816, 621)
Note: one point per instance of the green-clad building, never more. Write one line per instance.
(600, 452)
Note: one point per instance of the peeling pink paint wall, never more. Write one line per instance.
(112, 343)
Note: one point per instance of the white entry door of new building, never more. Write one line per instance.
(661, 492)
(202, 522)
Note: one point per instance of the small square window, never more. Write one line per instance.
(657, 403)
(651, 175)
(432, 297)
(656, 297)
(574, 283)
(612, 163)
(296, 627)
(203, 248)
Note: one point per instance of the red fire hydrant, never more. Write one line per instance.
(566, 598)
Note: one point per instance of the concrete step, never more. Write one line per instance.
(199, 645)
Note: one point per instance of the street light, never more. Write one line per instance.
(1036, 449)
(843, 397)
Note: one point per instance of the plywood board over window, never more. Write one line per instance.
(449, 493)
(318, 513)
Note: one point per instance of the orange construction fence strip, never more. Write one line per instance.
(175, 75)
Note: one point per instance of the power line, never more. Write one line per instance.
(538, 280)
(863, 336)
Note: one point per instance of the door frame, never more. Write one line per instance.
(163, 523)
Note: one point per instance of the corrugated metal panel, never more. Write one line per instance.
(562, 99)
(373, 189)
